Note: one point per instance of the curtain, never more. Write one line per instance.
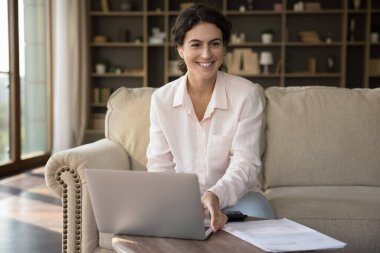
(70, 73)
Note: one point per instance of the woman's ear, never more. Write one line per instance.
(180, 51)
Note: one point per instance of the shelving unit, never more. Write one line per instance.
(146, 64)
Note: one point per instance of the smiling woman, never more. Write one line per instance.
(219, 120)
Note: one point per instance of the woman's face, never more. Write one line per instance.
(202, 51)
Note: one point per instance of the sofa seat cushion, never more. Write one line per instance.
(105, 240)
(347, 213)
(101, 250)
(325, 202)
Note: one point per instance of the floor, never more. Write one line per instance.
(30, 215)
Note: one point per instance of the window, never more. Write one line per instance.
(4, 84)
(25, 116)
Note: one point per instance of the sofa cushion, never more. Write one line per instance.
(105, 240)
(326, 202)
(127, 122)
(322, 136)
(347, 213)
(360, 235)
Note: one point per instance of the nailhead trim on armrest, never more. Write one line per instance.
(78, 208)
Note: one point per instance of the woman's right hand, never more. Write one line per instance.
(211, 202)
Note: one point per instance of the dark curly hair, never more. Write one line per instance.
(192, 16)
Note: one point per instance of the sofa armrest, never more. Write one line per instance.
(64, 174)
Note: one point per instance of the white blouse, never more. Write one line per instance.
(224, 148)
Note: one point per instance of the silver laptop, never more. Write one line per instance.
(147, 203)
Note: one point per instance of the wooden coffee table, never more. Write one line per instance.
(219, 242)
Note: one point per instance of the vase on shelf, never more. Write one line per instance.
(100, 68)
(374, 37)
(357, 4)
(351, 33)
(126, 5)
(250, 5)
(330, 63)
(266, 59)
(267, 38)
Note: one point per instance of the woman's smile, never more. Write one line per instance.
(205, 65)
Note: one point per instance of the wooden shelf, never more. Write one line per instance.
(249, 13)
(270, 75)
(118, 75)
(335, 10)
(316, 12)
(95, 131)
(356, 43)
(99, 105)
(320, 44)
(173, 13)
(256, 44)
(312, 75)
(360, 11)
(157, 45)
(351, 57)
(117, 44)
(117, 13)
(155, 13)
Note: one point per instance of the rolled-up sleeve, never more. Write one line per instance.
(246, 151)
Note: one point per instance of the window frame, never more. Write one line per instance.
(16, 163)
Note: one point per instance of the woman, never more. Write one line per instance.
(209, 122)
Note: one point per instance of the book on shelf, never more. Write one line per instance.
(278, 66)
(243, 61)
(105, 5)
(173, 68)
(101, 95)
(251, 62)
(98, 120)
(374, 66)
(313, 6)
(96, 95)
(309, 37)
(312, 65)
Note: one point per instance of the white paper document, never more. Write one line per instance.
(281, 236)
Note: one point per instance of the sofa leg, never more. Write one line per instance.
(72, 208)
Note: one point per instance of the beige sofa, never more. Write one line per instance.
(321, 164)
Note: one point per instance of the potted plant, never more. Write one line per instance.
(119, 69)
(267, 36)
(101, 66)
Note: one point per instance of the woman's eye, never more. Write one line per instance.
(195, 45)
(215, 44)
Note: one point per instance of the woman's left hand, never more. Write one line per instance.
(211, 202)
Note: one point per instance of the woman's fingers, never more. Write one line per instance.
(218, 221)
